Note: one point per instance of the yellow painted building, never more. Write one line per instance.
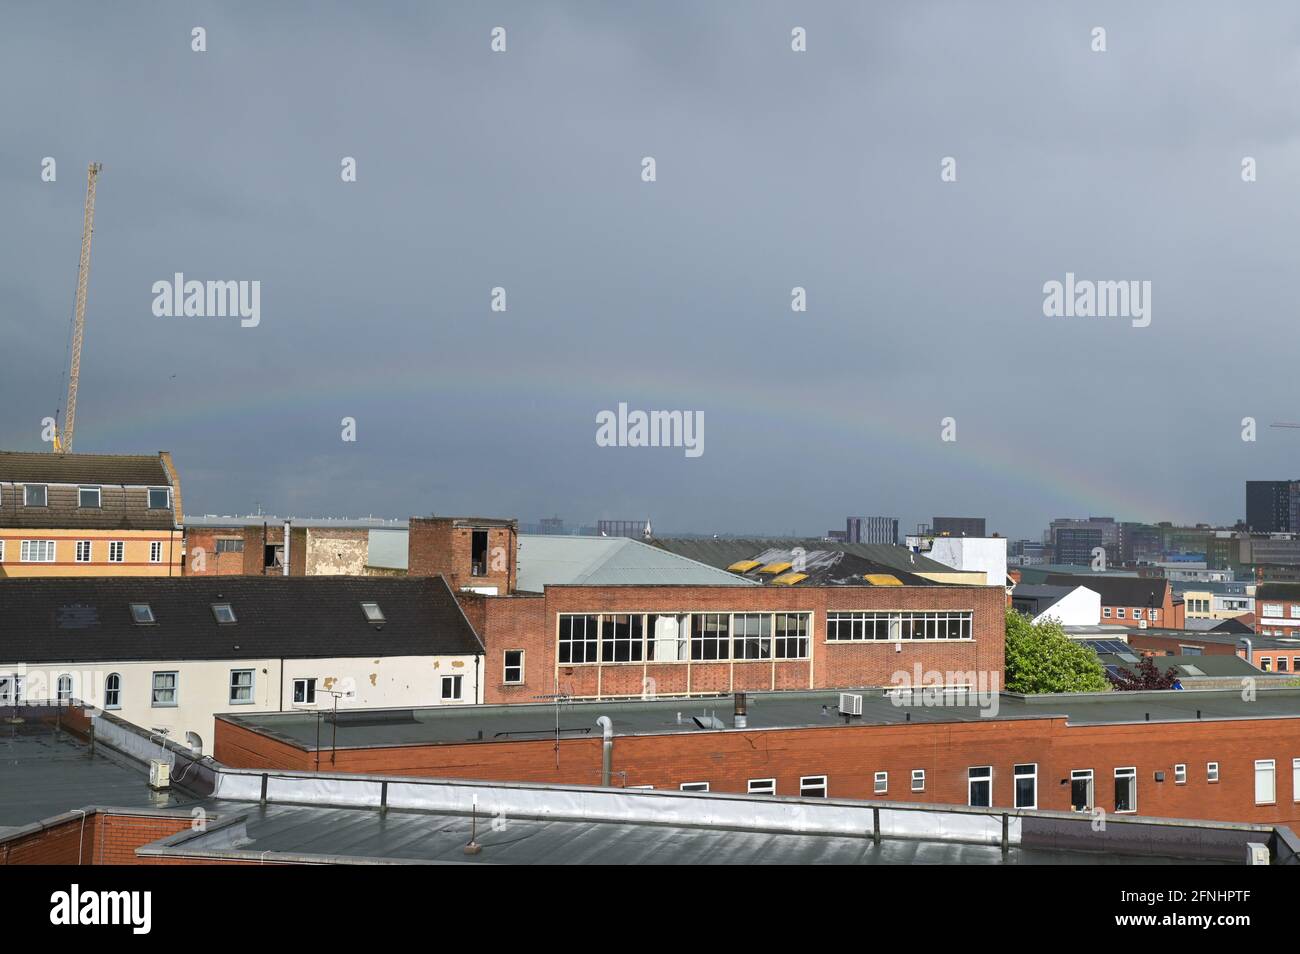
(89, 515)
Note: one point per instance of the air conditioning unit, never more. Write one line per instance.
(1256, 853)
(850, 704)
(160, 775)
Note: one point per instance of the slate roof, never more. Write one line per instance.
(1117, 590)
(73, 619)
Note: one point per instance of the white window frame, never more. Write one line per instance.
(1081, 775)
(810, 785)
(1295, 780)
(2, 551)
(308, 684)
(117, 547)
(1120, 611)
(506, 667)
(229, 608)
(37, 551)
(1128, 772)
(767, 786)
(1212, 772)
(1266, 663)
(85, 551)
(45, 495)
(251, 687)
(59, 693)
(174, 689)
(918, 780)
(13, 689)
(155, 551)
(694, 787)
(99, 498)
(1270, 767)
(972, 780)
(1105, 612)
(1017, 776)
(880, 784)
(113, 690)
(458, 688)
(163, 490)
(1180, 773)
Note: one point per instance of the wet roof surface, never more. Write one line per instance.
(451, 724)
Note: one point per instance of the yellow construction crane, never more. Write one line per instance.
(63, 441)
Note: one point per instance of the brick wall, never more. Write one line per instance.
(444, 545)
(531, 624)
(851, 755)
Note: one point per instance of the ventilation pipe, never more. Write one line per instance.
(606, 748)
(284, 570)
(741, 715)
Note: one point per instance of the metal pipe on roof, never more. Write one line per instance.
(606, 748)
(284, 571)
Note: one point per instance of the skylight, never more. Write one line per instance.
(373, 613)
(142, 613)
(223, 612)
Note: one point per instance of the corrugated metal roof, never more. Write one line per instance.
(722, 553)
(551, 560)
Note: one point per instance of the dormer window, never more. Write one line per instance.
(88, 497)
(142, 614)
(160, 498)
(34, 495)
(373, 613)
(223, 613)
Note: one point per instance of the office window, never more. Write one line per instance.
(752, 636)
(881, 783)
(899, 625)
(164, 688)
(812, 786)
(88, 497)
(1265, 782)
(113, 691)
(223, 612)
(160, 498)
(229, 545)
(116, 551)
(1272, 609)
(791, 636)
(142, 613)
(1295, 610)
(694, 786)
(304, 691)
(37, 551)
(1126, 787)
(155, 551)
(622, 637)
(514, 666)
(767, 786)
(579, 638)
(1266, 663)
(1180, 774)
(34, 495)
(918, 780)
(1081, 790)
(83, 551)
(1026, 786)
(979, 786)
(1211, 771)
(451, 688)
(241, 686)
(710, 636)
(64, 690)
(1283, 663)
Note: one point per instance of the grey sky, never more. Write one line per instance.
(775, 169)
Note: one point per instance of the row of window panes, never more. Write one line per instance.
(43, 551)
(91, 498)
(1152, 614)
(667, 637)
(1275, 609)
(894, 625)
(165, 690)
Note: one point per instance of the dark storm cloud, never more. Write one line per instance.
(775, 169)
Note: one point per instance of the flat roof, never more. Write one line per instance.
(367, 728)
(45, 773)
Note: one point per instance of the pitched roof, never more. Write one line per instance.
(1117, 590)
(1277, 591)
(49, 468)
(552, 560)
(722, 553)
(74, 619)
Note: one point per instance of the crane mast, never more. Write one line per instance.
(63, 442)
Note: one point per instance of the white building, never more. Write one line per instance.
(987, 555)
(170, 653)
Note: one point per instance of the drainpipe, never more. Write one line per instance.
(1250, 653)
(607, 748)
(284, 570)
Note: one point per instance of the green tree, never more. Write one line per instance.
(1041, 658)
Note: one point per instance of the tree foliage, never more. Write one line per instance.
(1144, 676)
(1041, 658)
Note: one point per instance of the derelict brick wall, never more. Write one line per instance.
(435, 545)
(516, 623)
(850, 756)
